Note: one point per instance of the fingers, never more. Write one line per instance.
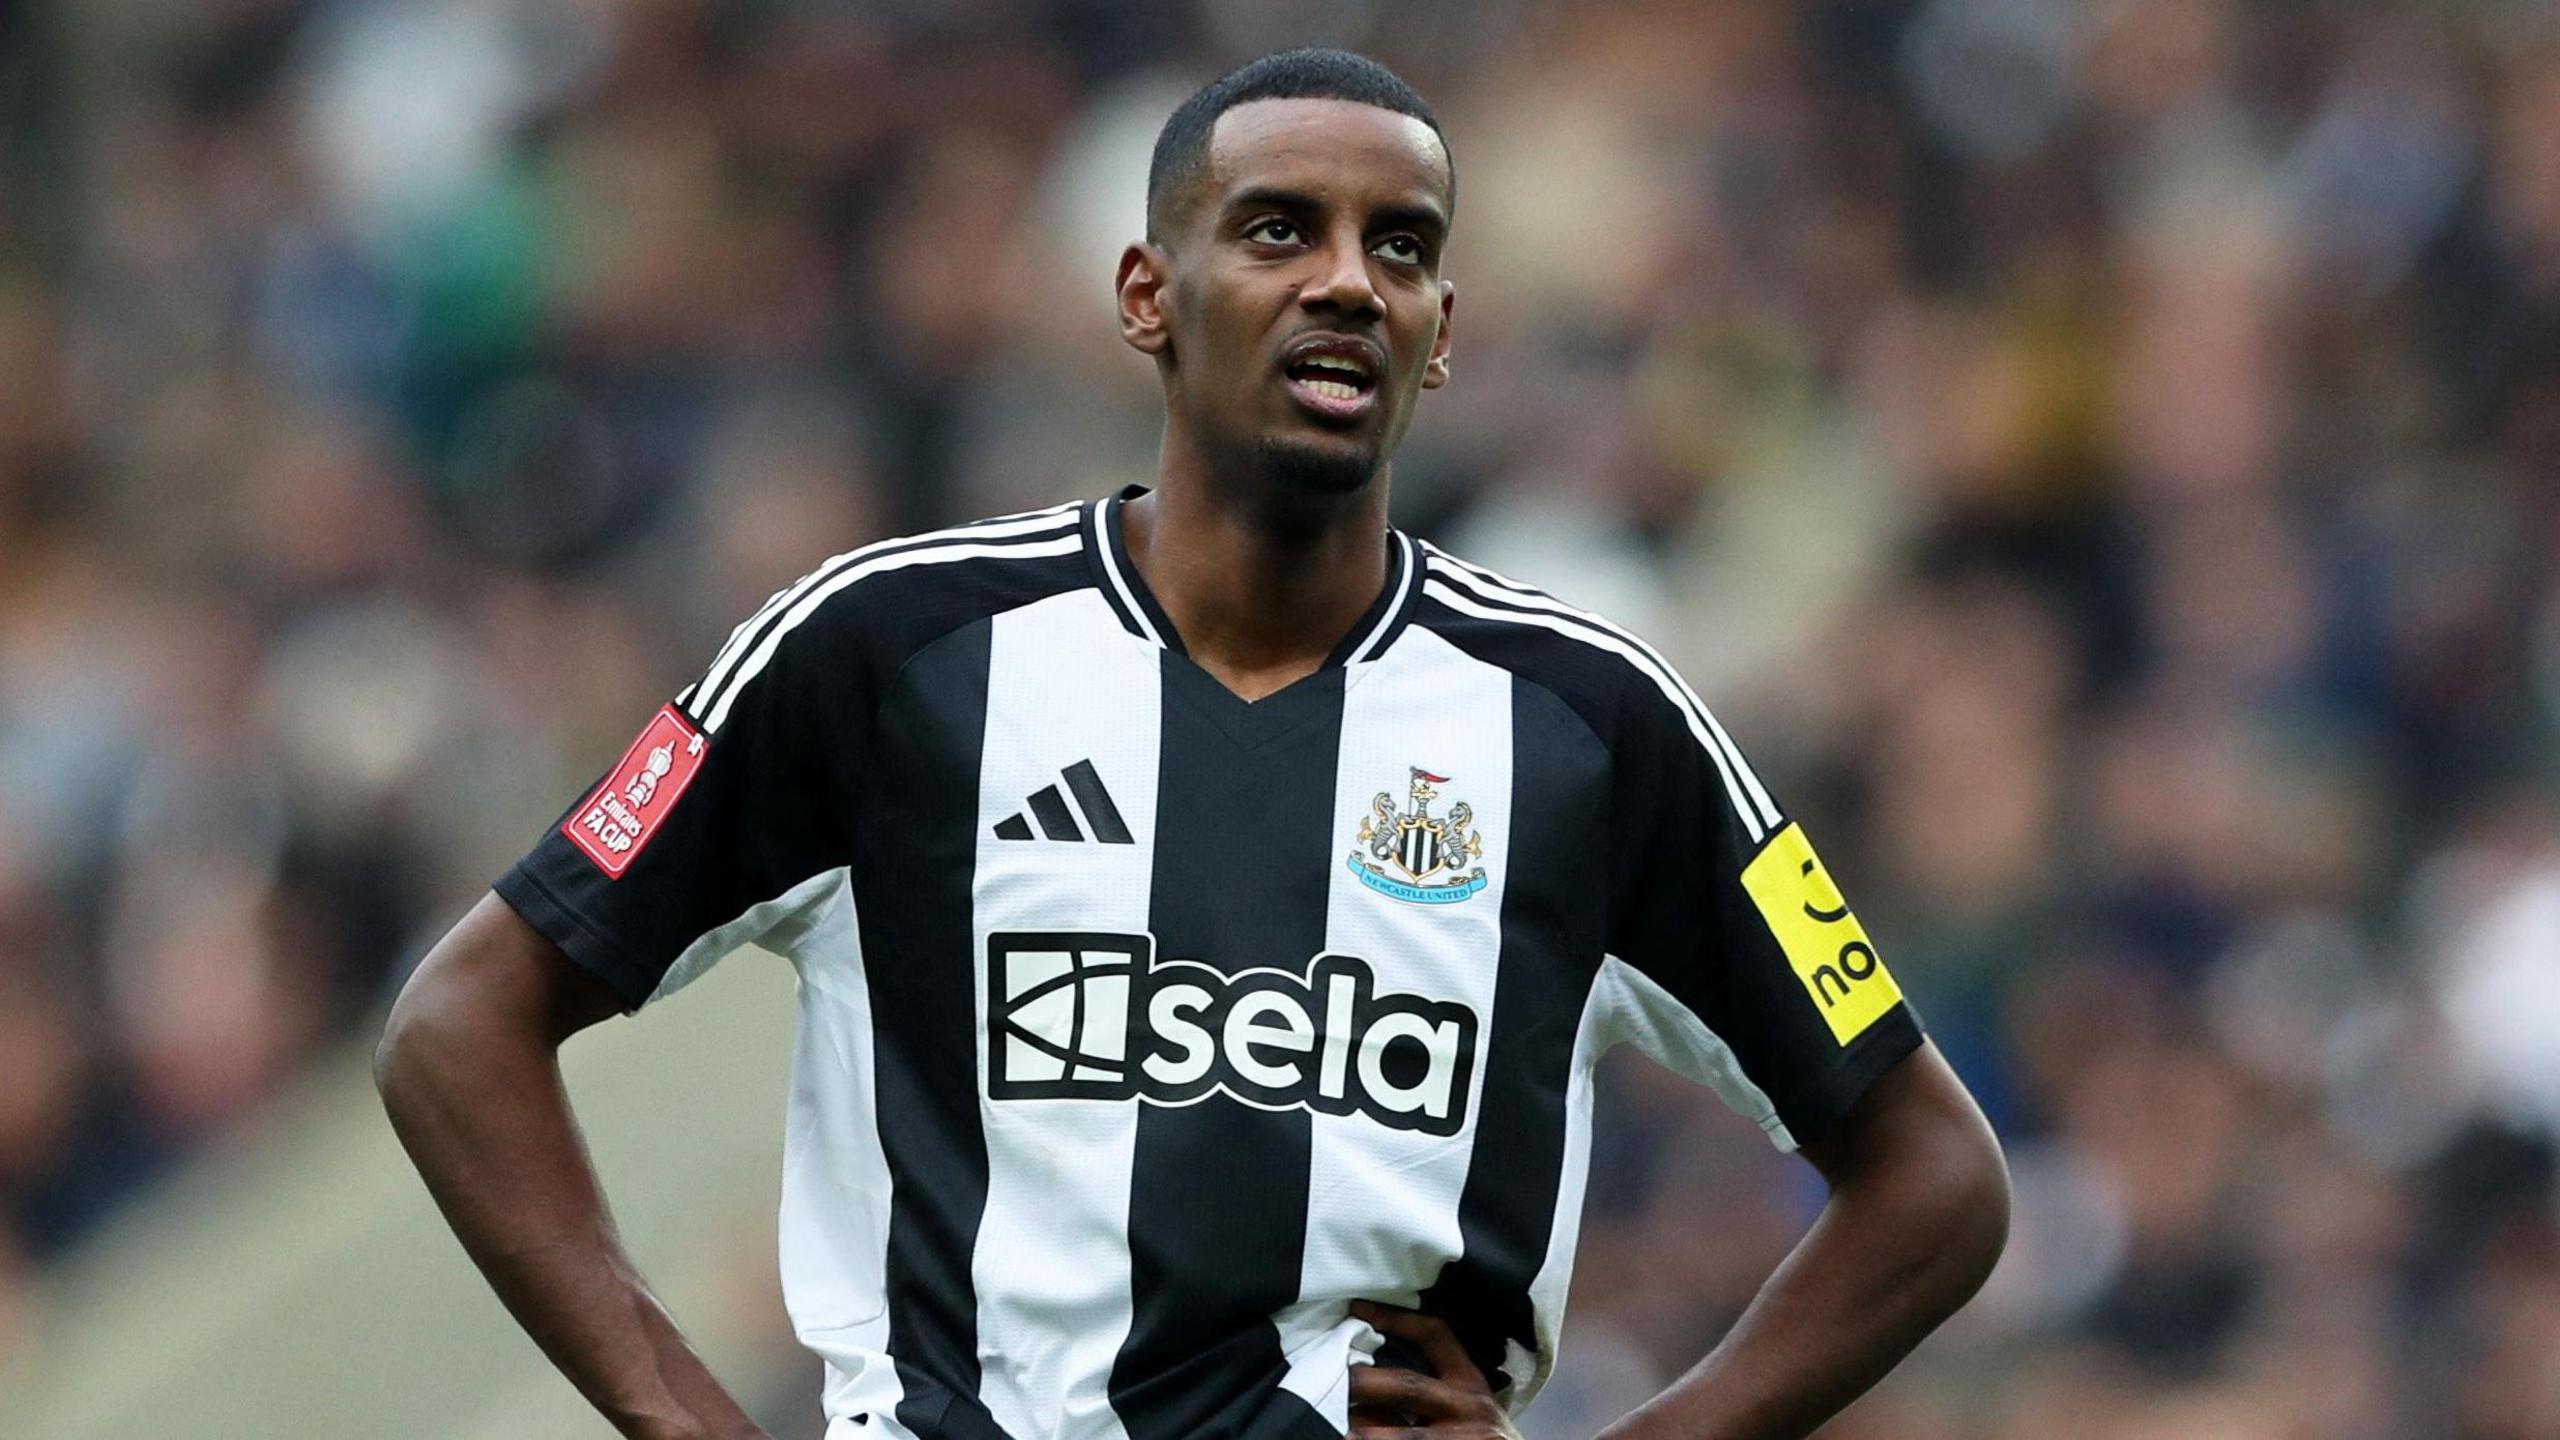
(1417, 1396)
(1365, 1429)
(1432, 1336)
(1452, 1403)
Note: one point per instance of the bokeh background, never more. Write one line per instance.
(2102, 459)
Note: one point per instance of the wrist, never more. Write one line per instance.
(691, 1430)
(693, 1427)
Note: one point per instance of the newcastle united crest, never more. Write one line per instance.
(1416, 855)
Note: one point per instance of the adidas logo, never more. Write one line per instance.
(1057, 822)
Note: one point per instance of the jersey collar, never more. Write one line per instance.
(1130, 599)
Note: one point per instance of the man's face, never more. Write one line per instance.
(1304, 308)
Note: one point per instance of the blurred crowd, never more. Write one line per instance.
(2102, 459)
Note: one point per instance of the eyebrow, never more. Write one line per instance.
(1413, 217)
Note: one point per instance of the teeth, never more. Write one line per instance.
(1333, 389)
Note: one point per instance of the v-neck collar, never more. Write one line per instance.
(1139, 612)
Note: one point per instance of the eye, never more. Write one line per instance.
(1272, 231)
(1403, 249)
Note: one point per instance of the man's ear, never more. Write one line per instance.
(1435, 371)
(1144, 275)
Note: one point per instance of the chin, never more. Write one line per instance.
(1318, 468)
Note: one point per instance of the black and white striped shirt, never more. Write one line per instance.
(1142, 1028)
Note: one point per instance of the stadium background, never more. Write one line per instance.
(2103, 459)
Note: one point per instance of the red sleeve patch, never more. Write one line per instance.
(625, 811)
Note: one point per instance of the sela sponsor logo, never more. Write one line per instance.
(1827, 947)
(1093, 1015)
(618, 819)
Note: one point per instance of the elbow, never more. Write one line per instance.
(403, 1054)
(1971, 1204)
(393, 1053)
(1986, 1236)
(1918, 1166)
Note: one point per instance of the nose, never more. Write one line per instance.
(1342, 282)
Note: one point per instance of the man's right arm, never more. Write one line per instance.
(469, 1070)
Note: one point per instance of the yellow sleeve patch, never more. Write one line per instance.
(1824, 942)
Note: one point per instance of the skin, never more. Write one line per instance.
(1296, 228)
(469, 1070)
(1265, 542)
(1265, 537)
(1917, 1215)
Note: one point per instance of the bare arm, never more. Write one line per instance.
(469, 1070)
(1918, 1213)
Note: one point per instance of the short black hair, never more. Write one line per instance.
(1182, 147)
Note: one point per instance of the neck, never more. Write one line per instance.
(1261, 582)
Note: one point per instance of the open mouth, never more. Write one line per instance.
(1333, 381)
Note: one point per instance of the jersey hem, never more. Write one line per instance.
(581, 939)
(1893, 1037)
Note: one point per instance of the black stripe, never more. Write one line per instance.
(1514, 600)
(1218, 1194)
(1554, 915)
(1111, 515)
(817, 579)
(1061, 511)
(1388, 613)
(1099, 812)
(1013, 827)
(1096, 539)
(1476, 587)
(1050, 809)
(1442, 561)
(914, 869)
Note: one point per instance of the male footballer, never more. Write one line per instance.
(1208, 905)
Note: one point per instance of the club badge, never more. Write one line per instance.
(1416, 855)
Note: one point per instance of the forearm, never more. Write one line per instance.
(488, 1123)
(1919, 1211)
(1828, 1325)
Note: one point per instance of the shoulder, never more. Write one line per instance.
(870, 609)
(1609, 675)
(904, 592)
(1652, 723)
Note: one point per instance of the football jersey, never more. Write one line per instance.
(1141, 1027)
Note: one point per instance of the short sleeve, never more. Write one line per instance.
(1736, 959)
(723, 817)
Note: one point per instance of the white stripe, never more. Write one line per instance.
(1564, 1233)
(731, 648)
(1530, 595)
(837, 1192)
(1395, 607)
(1050, 1271)
(1020, 549)
(1030, 522)
(738, 635)
(1111, 568)
(1674, 1036)
(1623, 1006)
(1458, 600)
(713, 945)
(1382, 1204)
(1061, 508)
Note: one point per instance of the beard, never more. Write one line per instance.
(1316, 469)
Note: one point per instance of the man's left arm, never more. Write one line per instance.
(1919, 1210)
